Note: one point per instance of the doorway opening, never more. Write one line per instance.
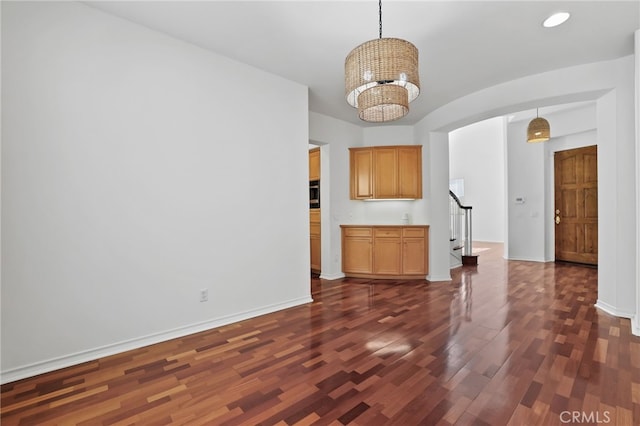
(315, 235)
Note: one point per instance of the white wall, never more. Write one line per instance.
(388, 135)
(476, 154)
(130, 181)
(611, 85)
(526, 175)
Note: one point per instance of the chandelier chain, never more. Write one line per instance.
(380, 16)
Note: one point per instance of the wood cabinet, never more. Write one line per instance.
(314, 164)
(361, 168)
(386, 172)
(314, 239)
(385, 251)
(357, 250)
(414, 250)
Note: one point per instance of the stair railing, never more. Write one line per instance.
(456, 211)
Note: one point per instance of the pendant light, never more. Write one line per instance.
(538, 130)
(381, 77)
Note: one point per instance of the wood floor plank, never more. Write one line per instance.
(503, 343)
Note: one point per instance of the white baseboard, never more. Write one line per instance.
(335, 276)
(635, 325)
(438, 278)
(612, 310)
(527, 259)
(46, 366)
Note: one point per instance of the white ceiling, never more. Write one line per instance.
(464, 46)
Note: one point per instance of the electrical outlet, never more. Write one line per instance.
(204, 295)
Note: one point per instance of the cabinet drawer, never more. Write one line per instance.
(314, 215)
(314, 229)
(413, 232)
(357, 232)
(387, 233)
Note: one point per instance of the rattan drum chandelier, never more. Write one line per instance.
(538, 130)
(381, 77)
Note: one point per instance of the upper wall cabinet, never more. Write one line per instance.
(386, 172)
(361, 172)
(314, 164)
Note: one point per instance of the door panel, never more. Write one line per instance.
(358, 255)
(576, 201)
(591, 203)
(568, 175)
(591, 238)
(385, 162)
(314, 164)
(414, 257)
(315, 254)
(386, 256)
(569, 203)
(590, 168)
(362, 170)
(410, 172)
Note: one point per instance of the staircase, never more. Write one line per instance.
(455, 254)
(460, 240)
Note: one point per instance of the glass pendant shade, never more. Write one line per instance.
(538, 130)
(381, 78)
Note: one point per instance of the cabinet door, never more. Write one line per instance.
(314, 238)
(410, 172)
(361, 171)
(385, 166)
(414, 255)
(315, 253)
(314, 164)
(357, 256)
(387, 256)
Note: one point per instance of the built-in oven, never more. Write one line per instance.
(314, 194)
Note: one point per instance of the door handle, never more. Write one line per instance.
(557, 217)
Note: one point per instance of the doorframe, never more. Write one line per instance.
(635, 324)
(564, 143)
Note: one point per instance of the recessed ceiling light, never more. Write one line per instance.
(556, 19)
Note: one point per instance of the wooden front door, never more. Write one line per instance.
(576, 205)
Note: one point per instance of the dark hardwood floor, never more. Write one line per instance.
(516, 343)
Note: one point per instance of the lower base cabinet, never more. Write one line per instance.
(314, 239)
(315, 253)
(385, 251)
(358, 243)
